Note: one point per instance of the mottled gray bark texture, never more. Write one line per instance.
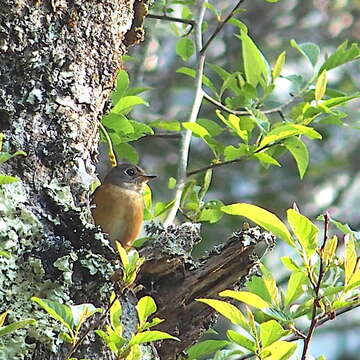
(58, 62)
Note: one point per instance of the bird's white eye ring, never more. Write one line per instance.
(130, 172)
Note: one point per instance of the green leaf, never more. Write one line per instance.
(5, 156)
(145, 307)
(241, 340)
(7, 179)
(270, 332)
(127, 103)
(255, 65)
(290, 263)
(295, 287)
(232, 153)
(117, 122)
(82, 312)
(211, 212)
(192, 73)
(320, 87)
(122, 83)
(185, 48)
(261, 217)
(171, 183)
(115, 315)
(197, 129)
(270, 284)
(342, 55)
(279, 350)
(247, 298)
(211, 126)
(227, 310)
(150, 336)
(280, 61)
(128, 152)
(204, 348)
(350, 257)
(299, 151)
(167, 125)
(5, 254)
(287, 130)
(59, 312)
(309, 50)
(66, 337)
(15, 326)
(257, 286)
(266, 159)
(305, 231)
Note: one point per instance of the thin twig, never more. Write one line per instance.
(173, 19)
(215, 165)
(186, 137)
(314, 317)
(163, 135)
(220, 26)
(221, 106)
(111, 153)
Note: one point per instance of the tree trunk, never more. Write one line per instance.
(58, 62)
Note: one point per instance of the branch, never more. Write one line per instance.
(221, 106)
(220, 26)
(173, 19)
(314, 318)
(186, 138)
(215, 165)
(324, 319)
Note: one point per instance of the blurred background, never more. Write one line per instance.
(332, 182)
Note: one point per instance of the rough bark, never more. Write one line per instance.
(58, 61)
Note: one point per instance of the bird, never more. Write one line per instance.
(117, 204)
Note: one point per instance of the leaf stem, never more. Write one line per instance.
(112, 156)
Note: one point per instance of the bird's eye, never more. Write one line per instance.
(130, 172)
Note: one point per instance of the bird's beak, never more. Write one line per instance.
(148, 177)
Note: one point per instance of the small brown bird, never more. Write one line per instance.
(117, 204)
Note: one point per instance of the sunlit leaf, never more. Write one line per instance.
(300, 153)
(246, 297)
(342, 55)
(270, 332)
(309, 50)
(280, 350)
(204, 348)
(305, 231)
(261, 217)
(350, 257)
(59, 312)
(329, 249)
(145, 307)
(227, 310)
(241, 340)
(15, 326)
(295, 287)
(7, 179)
(150, 336)
(255, 65)
(320, 87)
(280, 61)
(185, 48)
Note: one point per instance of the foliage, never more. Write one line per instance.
(125, 348)
(4, 330)
(322, 282)
(5, 156)
(72, 317)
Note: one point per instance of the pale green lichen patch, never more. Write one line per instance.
(21, 276)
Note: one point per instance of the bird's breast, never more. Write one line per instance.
(119, 212)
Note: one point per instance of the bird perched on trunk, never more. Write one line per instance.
(117, 204)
